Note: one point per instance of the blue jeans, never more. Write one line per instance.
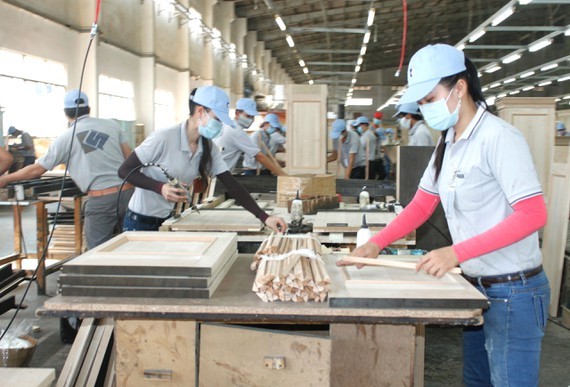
(505, 351)
(138, 222)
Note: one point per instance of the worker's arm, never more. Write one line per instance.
(348, 169)
(30, 172)
(269, 164)
(125, 147)
(333, 156)
(6, 160)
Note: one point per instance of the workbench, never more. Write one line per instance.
(177, 339)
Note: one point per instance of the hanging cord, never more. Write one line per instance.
(42, 259)
(404, 37)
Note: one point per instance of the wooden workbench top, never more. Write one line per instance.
(234, 301)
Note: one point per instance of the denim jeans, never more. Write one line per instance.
(138, 222)
(505, 351)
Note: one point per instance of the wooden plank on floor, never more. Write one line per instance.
(72, 365)
(107, 325)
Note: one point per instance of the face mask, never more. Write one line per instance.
(271, 130)
(377, 121)
(405, 123)
(437, 114)
(359, 129)
(211, 130)
(244, 121)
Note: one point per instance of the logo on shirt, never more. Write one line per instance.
(92, 140)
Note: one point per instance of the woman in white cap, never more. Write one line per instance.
(185, 151)
(483, 174)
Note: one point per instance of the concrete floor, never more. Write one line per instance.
(443, 355)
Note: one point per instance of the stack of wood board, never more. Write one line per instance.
(212, 219)
(350, 220)
(307, 184)
(152, 264)
(290, 268)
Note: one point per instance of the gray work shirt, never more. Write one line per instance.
(258, 137)
(27, 141)
(170, 149)
(368, 138)
(352, 145)
(96, 154)
(232, 142)
(276, 141)
(420, 135)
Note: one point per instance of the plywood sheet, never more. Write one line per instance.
(231, 355)
(350, 221)
(27, 377)
(218, 220)
(157, 253)
(386, 287)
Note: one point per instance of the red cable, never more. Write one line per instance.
(97, 11)
(404, 35)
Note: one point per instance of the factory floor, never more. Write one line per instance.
(443, 353)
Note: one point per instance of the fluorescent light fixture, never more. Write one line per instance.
(490, 101)
(484, 89)
(495, 85)
(233, 56)
(363, 51)
(493, 69)
(514, 92)
(528, 88)
(524, 2)
(371, 14)
(502, 95)
(194, 14)
(564, 79)
(254, 72)
(549, 67)
(510, 80)
(360, 60)
(353, 81)
(350, 90)
(280, 23)
(216, 33)
(305, 70)
(366, 37)
(567, 32)
(557, 100)
(290, 41)
(359, 102)
(479, 74)
(311, 82)
(511, 58)
(502, 16)
(527, 74)
(461, 47)
(540, 45)
(302, 63)
(357, 69)
(545, 83)
(476, 35)
(567, 97)
(243, 65)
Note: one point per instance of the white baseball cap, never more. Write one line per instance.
(73, 97)
(247, 105)
(428, 66)
(216, 99)
(412, 108)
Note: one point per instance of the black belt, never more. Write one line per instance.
(145, 219)
(500, 279)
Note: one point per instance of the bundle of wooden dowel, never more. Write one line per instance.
(290, 268)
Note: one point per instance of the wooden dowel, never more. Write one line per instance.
(389, 263)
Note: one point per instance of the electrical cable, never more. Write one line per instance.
(404, 37)
(42, 259)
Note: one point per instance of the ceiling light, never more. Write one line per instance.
(502, 95)
(502, 16)
(353, 80)
(495, 85)
(527, 74)
(493, 69)
(567, 97)
(511, 58)
(546, 83)
(549, 67)
(302, 63)
(490, 101)
(514, 92)
(567, 32)
(528, 88)
(461, 47)
(524, 2)
(564, 79)
(216, 33)
(370, 20)
(359, 61)
(484, 89)
(254, 72)
(479, 74)
(363, 51)
(509, 80)
(290, 41)
(539, 45)
(557, 100)
(357, 69)
(280, 23)
(366, 37)
(476, 36)
(243, 65)
(311, 82)
(350, 90)
(305, 70)
(232, 56)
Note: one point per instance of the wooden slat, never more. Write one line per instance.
(218, 220)
(108, 326)
(72, 365)
(386, 261)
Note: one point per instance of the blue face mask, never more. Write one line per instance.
(359, 129)
(271, 130)
(211, 130)
(437, 114)
(377, 121)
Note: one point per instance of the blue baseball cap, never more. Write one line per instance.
(216, 99)
(11, 130)
(405, 108)
(74, 98)
(428, 66)
(273, 120)
(247, 105)
(338, 126)
(362, 120)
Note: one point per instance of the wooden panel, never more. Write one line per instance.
(554, 237)
(232, 356)
(218, 220)
(350, 221)
(164, 345)
(27, 377)
(373, 355)
(306, 128)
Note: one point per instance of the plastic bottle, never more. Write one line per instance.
(364, 234)
(364, 198)
(297, 209)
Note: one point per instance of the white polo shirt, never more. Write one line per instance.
(276, 141)
(484, 173)
(232, 142)
(169, 148)
(257, 137)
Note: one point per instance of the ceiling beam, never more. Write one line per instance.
(331, 64)
(526, 29)
(327, 51)
(326, 29)
(339, 73)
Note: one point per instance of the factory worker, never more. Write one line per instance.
(261, 138)
(483, 174)
(277, 140)
(187, 154)
(351, 155)
(6, 160)
(410, 118)
(97, 150)
(368, 144)
(26, 148)
(234, 141)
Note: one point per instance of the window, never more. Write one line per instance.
(164, 112)
(116, 99)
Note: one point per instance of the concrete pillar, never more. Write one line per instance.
(144, 95)
(223, 18)
(239, 32)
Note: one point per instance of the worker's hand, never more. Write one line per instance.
(367, 250)
(438, 262)
(281, 163)
(3, 182)
(276, 223)
(173, 194)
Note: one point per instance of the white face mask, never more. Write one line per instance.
(405, 123)
(437, 114)
(244, 121)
